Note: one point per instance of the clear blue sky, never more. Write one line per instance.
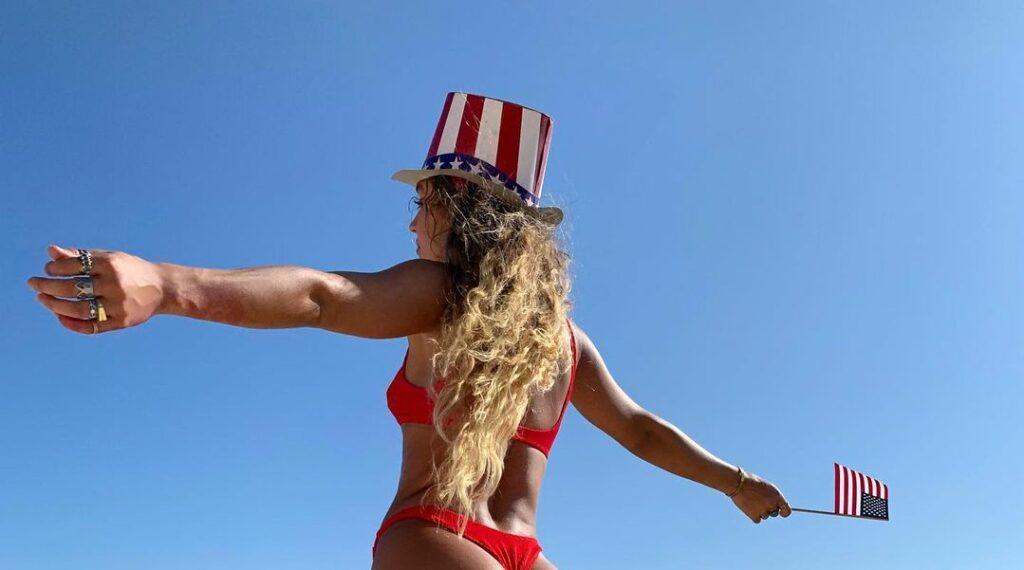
(796, 233)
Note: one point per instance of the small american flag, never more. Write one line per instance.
(860, 495)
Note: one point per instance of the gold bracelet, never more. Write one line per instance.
(739, 471)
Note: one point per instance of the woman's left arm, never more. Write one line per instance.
(600, 399)
(604, 403)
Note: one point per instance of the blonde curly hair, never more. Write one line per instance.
(502, 338)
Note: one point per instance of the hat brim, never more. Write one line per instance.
(550, 214)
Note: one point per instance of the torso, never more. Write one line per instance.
(513, 507)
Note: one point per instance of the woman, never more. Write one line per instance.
(492, 362)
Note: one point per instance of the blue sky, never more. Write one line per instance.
(795, 228)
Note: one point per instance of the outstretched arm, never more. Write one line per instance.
(401, 300)
(265, 297)
(603, 403)
(599, 398)
(405, 299)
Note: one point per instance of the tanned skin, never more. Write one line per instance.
(405, 300)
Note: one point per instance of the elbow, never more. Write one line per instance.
(640, 433)
(322, 294)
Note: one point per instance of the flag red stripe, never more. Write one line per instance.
(469, 129)
(440, 125)
(508, 139)
(836, 465)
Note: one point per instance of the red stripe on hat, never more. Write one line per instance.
(465, 143)
(508, 139)
(543, 143)
(440, 125)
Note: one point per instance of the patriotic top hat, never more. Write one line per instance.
(499, 145)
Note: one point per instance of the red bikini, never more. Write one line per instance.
(410, 403)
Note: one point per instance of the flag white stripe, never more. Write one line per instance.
(857, 481)
(849, 492)
(451, 124)
(850, 507)
(487, 137)
(528, 134)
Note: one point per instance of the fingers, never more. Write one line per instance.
(65, 261)
(61, 287)
(57, 252)
(73, 309)
(87, 327)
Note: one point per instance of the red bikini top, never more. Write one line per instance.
(410, 403)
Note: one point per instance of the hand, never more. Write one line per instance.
(758, 499)
(129, 287)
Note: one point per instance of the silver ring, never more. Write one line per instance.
(83, 287)
(86, 258)
(93, 309)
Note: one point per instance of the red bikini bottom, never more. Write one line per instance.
(513, 551)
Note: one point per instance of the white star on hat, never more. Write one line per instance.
(456, 163)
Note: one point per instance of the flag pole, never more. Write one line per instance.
(836, 514)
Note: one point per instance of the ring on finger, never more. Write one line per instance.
(83, 287)
(96, 310)
(86, 258)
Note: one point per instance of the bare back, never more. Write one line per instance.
(513, 507)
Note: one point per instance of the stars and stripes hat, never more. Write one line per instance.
(499, 145)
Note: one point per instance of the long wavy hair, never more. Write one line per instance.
(502, 338)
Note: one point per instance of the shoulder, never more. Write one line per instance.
(576, 334)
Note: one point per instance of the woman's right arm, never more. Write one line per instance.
(401, 300)
(404, 299)
(264, 297)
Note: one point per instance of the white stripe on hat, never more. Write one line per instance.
(487, 136)
(451, 124)
(528, 135)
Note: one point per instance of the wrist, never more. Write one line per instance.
(171, 278)
(720, 476)
(740, 481)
